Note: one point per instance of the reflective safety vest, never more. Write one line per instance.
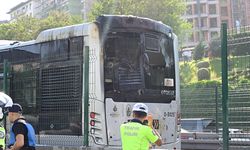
(2, 137)
(31, 135)
(136, 136)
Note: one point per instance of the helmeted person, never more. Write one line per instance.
(137, 136)
(22, 134)
(5, 102)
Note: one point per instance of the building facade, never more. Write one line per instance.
(41, 8)
(226, 12)
(22, 9)
(248, 12)
(204, 15)
(240, 13)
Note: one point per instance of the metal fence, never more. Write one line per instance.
(206, 103)
(202, 112)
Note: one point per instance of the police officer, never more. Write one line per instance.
(5, 101)
(22, 134)
(2, 138)
(137, 136)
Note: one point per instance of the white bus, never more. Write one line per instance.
(78, 83)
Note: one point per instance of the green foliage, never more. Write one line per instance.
(239, 63)
(58, 19)
(237, 49)
(215, 65)
(239, 75)
(22, 29)
(240, 49)
(203, 64)
(199, 51)
(244, 81)
(239, 70)
(27, 28)
(203, 84)
(187, 72)
(167, 11)
(215, 47)
(247, 73)
(203, 74)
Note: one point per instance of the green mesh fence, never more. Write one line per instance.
(205, 104)
(239, 83)
(200, 109)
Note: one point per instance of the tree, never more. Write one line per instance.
(27, 28)
(215, 47)
(167, 11)
(58, 19)
(199, 51)
(22, 29)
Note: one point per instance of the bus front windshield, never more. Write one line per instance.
(138, 66)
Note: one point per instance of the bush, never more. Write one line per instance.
(247, 73)
(185, 73)
(215, 47)
(240, 49)
(203, 84)
(244, 81)
(203, 64)
(199, 51)
(203, 74)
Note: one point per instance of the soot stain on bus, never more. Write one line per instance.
(138, 58)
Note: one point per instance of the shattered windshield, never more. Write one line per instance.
(158, 62)
(140, 63)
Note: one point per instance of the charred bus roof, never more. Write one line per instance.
(112, 22)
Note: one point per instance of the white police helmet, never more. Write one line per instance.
(140, 107)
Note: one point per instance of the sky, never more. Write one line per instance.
(6, 5)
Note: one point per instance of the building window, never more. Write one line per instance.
(213, 22)
(197, 36)
(224, 11)
(196, 23)
(189, 10)
(204, 35)
(195, 9)
(202, 9)
(203, 22)
(212, 9)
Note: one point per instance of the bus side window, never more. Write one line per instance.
(55, 50)
(75, 47)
